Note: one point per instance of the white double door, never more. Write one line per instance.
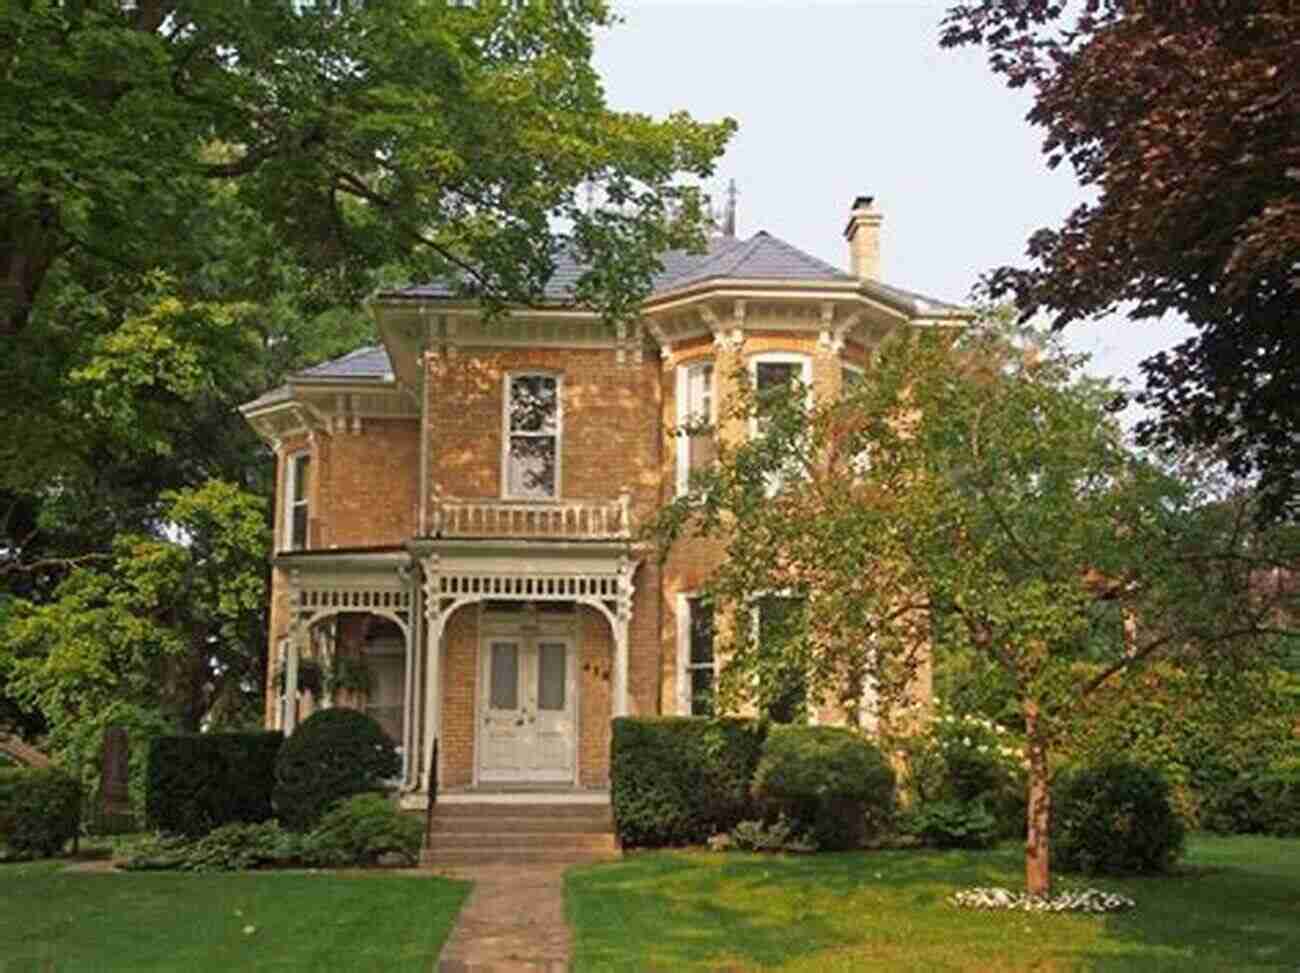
(527, 711)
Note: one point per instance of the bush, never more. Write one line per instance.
(952, 824)
(361, 829)
(198, 782)
(1116, 819)
(232, 847)
(332, 755)
(40, 810)
(776, 836)
(1267, 802)
(829, 780)
(677, 780)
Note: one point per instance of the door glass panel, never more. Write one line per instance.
(504, 686)
(551, 657)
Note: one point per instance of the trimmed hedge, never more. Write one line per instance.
(333, 754)
(1115, 819)
(830, 780)
(677, 780)
(40, 810)
(201, 781)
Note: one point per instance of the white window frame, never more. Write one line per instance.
(684, 371)
(290, 489)
(805, 376)
(506, 432)
(684, 666)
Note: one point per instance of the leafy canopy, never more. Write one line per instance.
(1182, 120)
(980, 482)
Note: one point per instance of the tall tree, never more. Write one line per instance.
(988, 486)
(456, 136)
(1183, 118)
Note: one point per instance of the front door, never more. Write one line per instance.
(528, 730)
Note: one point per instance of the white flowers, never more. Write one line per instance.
(1074, 900)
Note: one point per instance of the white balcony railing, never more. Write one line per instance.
(565, 519)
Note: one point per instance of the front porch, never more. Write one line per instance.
(505, 658)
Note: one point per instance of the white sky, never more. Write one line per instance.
(835, 100)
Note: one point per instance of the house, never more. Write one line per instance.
(458, 507)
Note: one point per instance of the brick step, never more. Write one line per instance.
(486, 856)
(487, 810)
(522, 825)
(524, 842)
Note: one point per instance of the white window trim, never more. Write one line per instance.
(505, 433)
(805, 376)
(684, 652)
(683, 396)
(291, 488)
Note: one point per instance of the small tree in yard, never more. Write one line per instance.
(983, 480)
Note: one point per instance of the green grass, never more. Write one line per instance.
(1233, 904)
(52, 920)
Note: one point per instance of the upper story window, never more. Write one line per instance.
(532, 441)
(297, 489)
(772, 374)
(695, 405)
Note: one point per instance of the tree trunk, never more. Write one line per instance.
(29, 243)
(1037, 874)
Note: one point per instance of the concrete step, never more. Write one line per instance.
(521, 825)
(524, 842)
(602, 811)
(485, 856)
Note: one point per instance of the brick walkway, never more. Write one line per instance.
(513, 921)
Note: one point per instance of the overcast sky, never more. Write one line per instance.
(836, 100)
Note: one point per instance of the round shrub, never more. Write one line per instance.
(333, 754)
(1115, 819)
(952, 824)
(360, 830)
(40, 810)
(830, 781)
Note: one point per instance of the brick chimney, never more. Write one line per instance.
(863, 234)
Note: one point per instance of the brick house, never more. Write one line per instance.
(458, 507)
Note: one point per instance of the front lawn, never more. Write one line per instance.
(52, 919)
(1234, 903)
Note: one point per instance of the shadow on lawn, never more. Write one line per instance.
(692, 909)
(1219, 918)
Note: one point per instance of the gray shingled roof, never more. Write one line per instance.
(762, 256)
(364, 364)
(369, 362)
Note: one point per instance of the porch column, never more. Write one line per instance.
(411, 631)
(432, 665)
(622, 634)
(297, 629)
(291, 676)
(620, 667)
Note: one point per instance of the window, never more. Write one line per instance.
(297, 490)
(696, 668)
(532, 446)
(694, 405)
(852, 378)
(773, 373)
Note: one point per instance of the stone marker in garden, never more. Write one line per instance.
(114, 796)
